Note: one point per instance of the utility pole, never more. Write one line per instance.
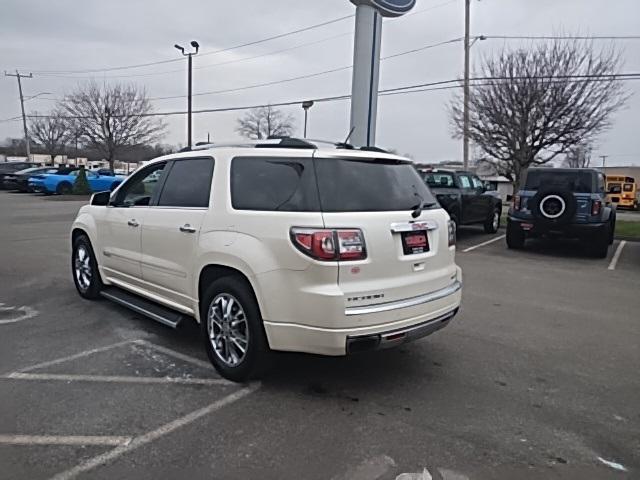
(467, 47)
(604, 159)
(19, 76)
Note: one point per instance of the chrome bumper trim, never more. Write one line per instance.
(408, 302)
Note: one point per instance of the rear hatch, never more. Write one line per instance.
(578, 182)
(405, 256)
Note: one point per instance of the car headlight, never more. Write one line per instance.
(452, 233)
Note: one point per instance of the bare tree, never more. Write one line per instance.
(112, 118)
(264, 122)
(578, 156)
(52, 132)
(536, 104)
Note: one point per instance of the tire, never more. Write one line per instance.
(84, 269)
(492, 224)
(598, 245)
(612, 230)
(226, 356)
(553, 206)
(64, 188)
(515, 237)
(454, 217)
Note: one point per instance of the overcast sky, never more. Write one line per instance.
(67, 35)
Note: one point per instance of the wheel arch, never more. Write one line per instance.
(214, 271)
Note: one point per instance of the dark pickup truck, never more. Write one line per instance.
(464, 196)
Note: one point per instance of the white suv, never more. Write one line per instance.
(278, 245)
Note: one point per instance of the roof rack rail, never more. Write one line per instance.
(374, 149)
(286, 142)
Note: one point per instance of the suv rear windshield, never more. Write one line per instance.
(576, 182)
(325, 184)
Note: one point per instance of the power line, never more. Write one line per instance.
(310, 75)
(160, 62)
(562, 37)
(407, 89)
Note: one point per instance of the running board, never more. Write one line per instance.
(145, 307)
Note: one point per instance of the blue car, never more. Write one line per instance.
(63, 184)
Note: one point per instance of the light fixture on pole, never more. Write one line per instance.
(306, 105)
(196, 46)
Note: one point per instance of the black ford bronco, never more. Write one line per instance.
(563, 202)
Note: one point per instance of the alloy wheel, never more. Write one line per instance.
(228, 329)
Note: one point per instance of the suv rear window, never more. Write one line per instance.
(576, 182)
(353, 185)
(334, 185)
(434, 179)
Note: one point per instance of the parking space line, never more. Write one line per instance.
(75, 356)
(154, 435)
(174, 354)
(616, 256)
(117, 379)
(63, 440)
(484, 243)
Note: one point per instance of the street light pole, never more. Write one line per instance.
(189, 56)
(467, 46)
(19, 76)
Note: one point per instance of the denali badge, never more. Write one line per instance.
(366, 297)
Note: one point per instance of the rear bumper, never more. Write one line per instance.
(530, 226)
(409, 319)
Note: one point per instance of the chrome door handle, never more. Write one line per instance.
(187, 228)
(133, 223)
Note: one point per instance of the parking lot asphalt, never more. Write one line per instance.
(537, 377)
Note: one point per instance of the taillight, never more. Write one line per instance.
(596, 206)
(516, 202)
(452, 233)
(330, 245)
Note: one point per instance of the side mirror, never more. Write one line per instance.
(100, 199)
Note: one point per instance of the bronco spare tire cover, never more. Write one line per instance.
(555, 206)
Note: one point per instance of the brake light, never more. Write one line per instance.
(516, 202)
(330, 245)
(596, 206)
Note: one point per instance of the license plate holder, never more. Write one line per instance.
(415, 243)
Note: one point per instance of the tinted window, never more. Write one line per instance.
(477, 183)
(349, 185)
(577, 182)
(283, 184)
(465, 182)
(615, 188)
(139, 190)
(628, 187)
(188, 184)
(439, 179)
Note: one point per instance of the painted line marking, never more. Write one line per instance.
(25, 313)
(614, 465)
(174, 354)
(75, 356)
(616, 256)
(484, 243)
(63, 440)
(117, 379)
(153, 435)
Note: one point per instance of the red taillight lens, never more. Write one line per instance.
(330, 245)
(596, 206)
(516, 202)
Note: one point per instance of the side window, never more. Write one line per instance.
(139, 190)
(274, 184)
(188, 184)
(600, 183)
(477, 183)
(465, 182)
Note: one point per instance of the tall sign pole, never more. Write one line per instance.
(366, 65)
(465, 121)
